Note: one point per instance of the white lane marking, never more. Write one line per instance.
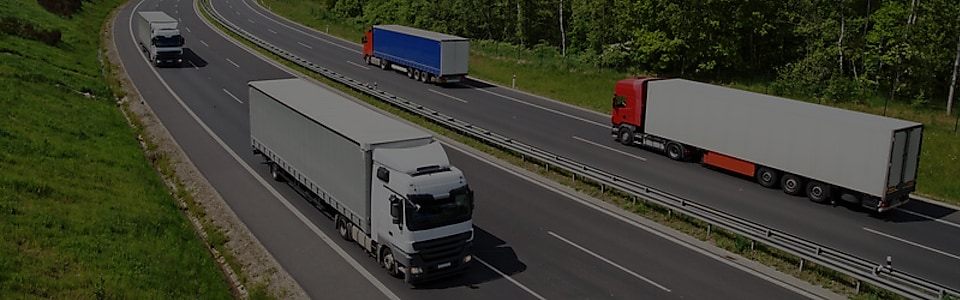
(234, 64)
(271, 31)
(238, 12)
(608, 148)
(232, 96)
(445, 95)
(316, 231)
(305, 45)
(913, 243)
(204, 43)
(251, 21)
(358, 65)
(194, 65)
(510, 279)
(543, 108)
(623, 217)
(300, 31)
(948, 223)
(604, 259)
(187, 28)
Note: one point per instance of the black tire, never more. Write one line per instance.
(384, 64)
(276, 173)
(388, 262)
(416, 75)
(675, 151)
(410, 73)
(818, 192)
(366, 59)
(424, 77)
(793, 184)
(767, 177)
(343, 228)
(625, 135)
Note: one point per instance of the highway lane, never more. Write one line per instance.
(510, 236)
(584, 136)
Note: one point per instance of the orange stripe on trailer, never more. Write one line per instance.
(729, 163)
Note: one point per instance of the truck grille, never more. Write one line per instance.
(443, 248)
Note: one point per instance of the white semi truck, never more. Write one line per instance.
(391, 185)
(159, 36)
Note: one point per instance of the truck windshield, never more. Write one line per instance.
(174, 41)
(432, 213)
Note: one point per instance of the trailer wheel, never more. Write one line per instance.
(424, 77)
(276, 173)
(792, 184)
(388, 262)
(409, 72)
(818, 192)
(675, 151)
(626, 136)
(767, 177)
(416, 75)
(342, 227)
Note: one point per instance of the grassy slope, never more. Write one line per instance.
(84, 214)
(591, 88)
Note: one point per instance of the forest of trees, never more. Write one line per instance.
(842, 50)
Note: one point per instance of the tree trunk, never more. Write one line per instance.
(840, 43)
(563, 35)
(953, 80)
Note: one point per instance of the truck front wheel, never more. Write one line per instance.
(388, 262)
(818, 192)
(626, 136)
(767, 177)
(383, 64)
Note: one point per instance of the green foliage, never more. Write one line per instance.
(84, 215)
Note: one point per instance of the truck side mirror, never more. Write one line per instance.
(470, 198)
(396, 209)
(383, 174)
(182, 41)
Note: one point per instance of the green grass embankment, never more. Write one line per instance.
(83, 214)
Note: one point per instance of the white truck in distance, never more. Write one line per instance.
(160, 38)
(390, 185)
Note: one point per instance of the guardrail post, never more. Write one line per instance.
(801, 264)
(709, 228)
(514, 82)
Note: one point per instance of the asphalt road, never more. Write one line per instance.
(920, 237)
(531, 242)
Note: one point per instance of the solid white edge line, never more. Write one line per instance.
(298, 30)
(510, 279)
(608, 148)
(948, 223)
(232, 96)
(543, 108)
(445, 95)
(326, 239)
(604, 259)
(918, 245)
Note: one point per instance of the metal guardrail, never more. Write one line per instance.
(881, 275)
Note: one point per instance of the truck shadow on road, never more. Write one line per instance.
(488, 249)
(916, 211)
(191, 59)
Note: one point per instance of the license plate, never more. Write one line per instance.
(443, 265)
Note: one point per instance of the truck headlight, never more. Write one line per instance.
(467, 258)
(179, 60)
(415, 270)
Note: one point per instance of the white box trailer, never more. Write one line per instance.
(390, 183)
(864, 154)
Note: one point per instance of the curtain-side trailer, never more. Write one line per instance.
(423, 55)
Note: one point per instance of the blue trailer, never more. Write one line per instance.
(423, 55)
